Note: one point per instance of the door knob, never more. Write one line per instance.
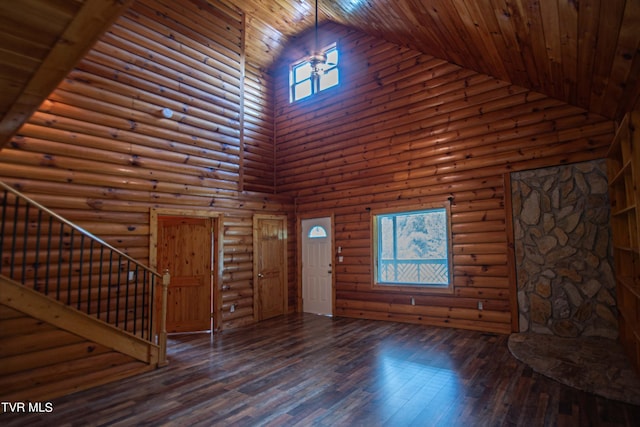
(260, 275)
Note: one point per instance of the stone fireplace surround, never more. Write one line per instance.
(565, 280)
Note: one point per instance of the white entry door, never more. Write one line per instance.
(316, 266)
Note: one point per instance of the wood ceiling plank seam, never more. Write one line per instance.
(610, 18)
(91, 20)
(27, 20)
(278, 16)
(470, 15)
(549, 26)
(19, 45)
(475, 57)
(568, 12)
(22, 31)
(588, 21)
(518, 70)
(520, 17)
(17, 64)
(632, 89)
(484, 8)
(628, 43)
(415, 16)
(455, 52)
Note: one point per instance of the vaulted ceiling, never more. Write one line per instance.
(584, 52)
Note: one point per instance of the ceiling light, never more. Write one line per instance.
(318, 59)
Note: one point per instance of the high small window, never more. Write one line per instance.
(304, 82)
(412, 248)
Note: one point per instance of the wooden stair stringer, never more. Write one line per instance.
(46, 309)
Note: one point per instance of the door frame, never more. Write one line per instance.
(285, 293)
(217, 250)
(300, 217)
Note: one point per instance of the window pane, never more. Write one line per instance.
(302, 72)
(329, 79)
(317, 232)
(413, 248)
(332, 56)
(422, 235)
(386, 237)
(302, 90)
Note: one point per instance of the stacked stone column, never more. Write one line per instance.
(563, 251)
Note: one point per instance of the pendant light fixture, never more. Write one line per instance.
(317, 59)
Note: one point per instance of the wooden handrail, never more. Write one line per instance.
(78, 228)
(153, 335)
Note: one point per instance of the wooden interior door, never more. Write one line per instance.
(270, 266)
(185, 248)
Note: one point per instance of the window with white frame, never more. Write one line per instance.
(304, 82)
(412, 248)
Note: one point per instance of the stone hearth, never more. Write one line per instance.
(563, 251)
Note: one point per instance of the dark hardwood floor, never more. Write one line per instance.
(317, 371)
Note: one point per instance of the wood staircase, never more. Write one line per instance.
(49, 350)
(57, 342)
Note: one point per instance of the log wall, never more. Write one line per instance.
(100, 152)
(404, 129)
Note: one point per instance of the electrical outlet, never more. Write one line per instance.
(132, 276)
(480, 307)
(413, 301)
(233, 308)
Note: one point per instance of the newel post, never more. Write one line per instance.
(162, 339)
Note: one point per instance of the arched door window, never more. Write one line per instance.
(317, 232)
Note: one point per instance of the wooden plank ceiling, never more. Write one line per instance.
(40, 41)
(585, 53)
